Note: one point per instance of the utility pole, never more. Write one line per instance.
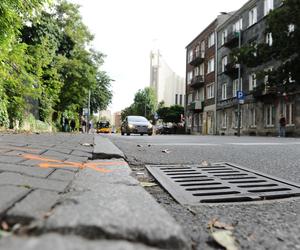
(239, 88)
(89, 112)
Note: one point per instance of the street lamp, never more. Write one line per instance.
(239, 72)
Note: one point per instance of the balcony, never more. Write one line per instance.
(232, 40)
(232, 70)
(197, 82)
(264, 92)
(196, 106)
(198, 58)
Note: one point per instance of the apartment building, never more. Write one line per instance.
(261, 109)
(168, 85)
(201, 80)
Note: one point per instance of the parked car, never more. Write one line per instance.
(136, 125)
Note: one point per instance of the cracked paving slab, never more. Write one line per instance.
(114, 205)
(64, 242)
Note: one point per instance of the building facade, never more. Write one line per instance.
(201, 81)
(169, 86)
(261, 109)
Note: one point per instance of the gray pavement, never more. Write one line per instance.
(53, 195)
(262, 225)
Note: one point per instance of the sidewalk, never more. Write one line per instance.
(54, 194)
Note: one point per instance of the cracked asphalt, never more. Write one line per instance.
(272, 224)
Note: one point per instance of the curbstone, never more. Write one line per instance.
(105, 149)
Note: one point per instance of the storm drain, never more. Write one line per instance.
(220, 183)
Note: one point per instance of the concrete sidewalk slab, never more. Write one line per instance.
(113, 205)
(105, 149)
(59, 242)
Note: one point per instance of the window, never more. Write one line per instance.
(224, 37)
(210, 91)
(235, 119)
(211, 40)
(201, 94)
(197, 51)
(211, 65)
(269, 39)
(190, 56)
(202, 46)
(237, 26)
(291, 28)
(288, 113)
(266, 80)
(252, 81)
(190, 76)
(180, 99)
(268, 6)
(190, 98)
(196, 71)
(224, 91)
(252, 117)
(224, 63)
(176, 99)
(224, 119)
(235, 86)
(201, 69)
(269, 115)
(252, 16)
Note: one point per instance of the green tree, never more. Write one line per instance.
(144, 104)
(16, 84)
(283, 23)
(171, 114)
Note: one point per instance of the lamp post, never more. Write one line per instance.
(88, 113)
(239, 88)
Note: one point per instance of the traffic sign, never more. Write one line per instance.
(240, 95)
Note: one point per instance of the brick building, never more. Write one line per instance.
(262, 107)
(201, 80)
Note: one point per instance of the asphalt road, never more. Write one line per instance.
(257, 225)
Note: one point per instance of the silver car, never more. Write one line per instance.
(136, 125)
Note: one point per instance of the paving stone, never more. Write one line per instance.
(32, 182)
(59, 242)
(27, 170)
(63, 175)
(75, 158)
(81, 153)
(35, 205)
(10, 159)
(9, 195)
(123, 209)
(55, 155)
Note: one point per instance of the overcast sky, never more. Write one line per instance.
(126, 31)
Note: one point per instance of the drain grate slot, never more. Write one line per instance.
(220, 183)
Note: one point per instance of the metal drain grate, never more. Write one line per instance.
(220, 182)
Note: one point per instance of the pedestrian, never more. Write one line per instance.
(282, 124)
(66, 125)
(90, 127)
(73, 125)
(83, 124)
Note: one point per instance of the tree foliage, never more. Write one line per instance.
(283, 23)
(46, 64)
(171, 114)
(144, 104)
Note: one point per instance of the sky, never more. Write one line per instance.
(126, 31)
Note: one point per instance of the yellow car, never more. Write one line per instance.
(103, 127)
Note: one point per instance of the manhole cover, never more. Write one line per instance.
(220, 182)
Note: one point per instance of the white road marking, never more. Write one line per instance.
(183, 144)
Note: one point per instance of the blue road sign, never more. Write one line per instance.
(240, 95)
